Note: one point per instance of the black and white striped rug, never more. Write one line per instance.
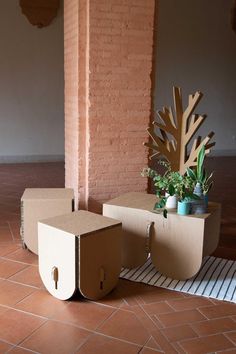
(215, 279)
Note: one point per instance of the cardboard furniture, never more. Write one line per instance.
(38, 204)
(80, 250)
(176, 244)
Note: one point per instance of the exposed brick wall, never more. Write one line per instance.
(115, 99)
(71, 37)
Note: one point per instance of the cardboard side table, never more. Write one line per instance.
(176, 244)
(38, 204)
(80, 250)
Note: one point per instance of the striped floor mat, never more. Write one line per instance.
(215, 279)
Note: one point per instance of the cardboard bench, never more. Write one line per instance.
(38, 204)
(176, 244)
(80, 250)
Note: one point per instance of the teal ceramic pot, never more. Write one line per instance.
(183, 208)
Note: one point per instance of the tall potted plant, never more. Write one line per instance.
(203, 183)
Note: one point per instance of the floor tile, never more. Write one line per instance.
(157, 308)
(85, 314)
(178, 333)
(24, 256)
(160, 294)
(131, 292)
(143, 317)
(9, 268)
(56, 338)
(125, 325)
(29, 276)
(232, 336)
(11, 293)
(180, 317)
(20, 350)
(178, 348)
(209, 344)
(4, 347)
(222, 310)
(15, 230)
(5, 235)
(163, 342)
(15, 326)
(151, 343)
(219, 325)
(8, 248)
(146, 350)
(98, 344)
(189, 303)
(227, 351)
(41, 303)
(3, 309)
(113, 299)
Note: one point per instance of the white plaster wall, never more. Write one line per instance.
(31, 87)
(196, 50)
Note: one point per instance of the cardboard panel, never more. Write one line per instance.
(99, 257)
(57, 250)
(41, 203)
(212, 229)
(135, 224)
(177, 244)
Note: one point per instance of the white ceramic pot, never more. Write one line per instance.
(171, 202)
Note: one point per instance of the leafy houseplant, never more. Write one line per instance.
(170, 182)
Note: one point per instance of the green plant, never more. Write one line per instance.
(199, 175)
(170, 182)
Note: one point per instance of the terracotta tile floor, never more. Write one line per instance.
(133, 319)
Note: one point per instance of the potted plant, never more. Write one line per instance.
(203, 183)
(171, 184)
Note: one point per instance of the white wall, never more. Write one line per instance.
(196, 50)
(31, 87)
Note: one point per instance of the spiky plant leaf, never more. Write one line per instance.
(200, 160)
(191, 173)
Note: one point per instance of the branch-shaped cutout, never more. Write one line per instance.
(171, 137)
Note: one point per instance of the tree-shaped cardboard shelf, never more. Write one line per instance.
(172, 133)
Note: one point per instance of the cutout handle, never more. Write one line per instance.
(102, 277)
(148, 235)
(55, 276)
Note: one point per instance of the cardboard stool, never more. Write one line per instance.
(38, 204)
(176, 245)
(80, 250)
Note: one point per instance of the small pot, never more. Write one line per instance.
(206, 199)
(198, 206)
(183, 207)
(171, 202)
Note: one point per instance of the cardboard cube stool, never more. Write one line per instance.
(79, 251)
(176, 245)
(38, 204)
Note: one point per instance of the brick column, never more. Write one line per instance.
(108, 63)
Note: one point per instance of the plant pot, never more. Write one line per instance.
(206, 199)
(183, 208)
(198, 206)
(171, 202)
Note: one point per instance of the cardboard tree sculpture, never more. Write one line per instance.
(171, 136)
